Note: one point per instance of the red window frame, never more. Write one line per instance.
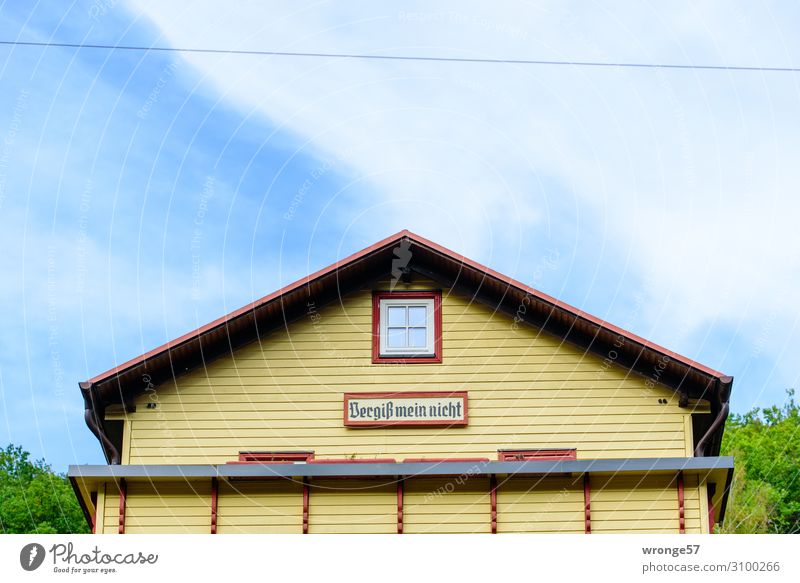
(436, 296)
(541, 455)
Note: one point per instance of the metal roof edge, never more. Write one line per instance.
(410, 469)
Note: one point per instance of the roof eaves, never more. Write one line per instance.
(223, 320)
(568, 308)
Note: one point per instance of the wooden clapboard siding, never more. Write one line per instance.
(268, 506)
(702, 491)
(111, 510)
(540, 505)
(695, 506)
(168, 507)
(456, 504)
(100, 510)
(526, 389)
(163, 507)
(643, 504)
(353, 506)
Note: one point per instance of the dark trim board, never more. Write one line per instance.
(409, 470)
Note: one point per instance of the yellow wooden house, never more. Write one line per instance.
(407, 389)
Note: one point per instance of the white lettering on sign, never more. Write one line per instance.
(378, 409)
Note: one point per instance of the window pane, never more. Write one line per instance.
(417, 316)
(396, 338)
(397, 316)
(417, 337)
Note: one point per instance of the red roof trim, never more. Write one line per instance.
(249, 307)
(567, 307)
(383, 243)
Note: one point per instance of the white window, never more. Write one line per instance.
(407, 327)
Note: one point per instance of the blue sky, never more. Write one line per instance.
(144, 194)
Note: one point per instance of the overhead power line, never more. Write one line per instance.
(401, 57)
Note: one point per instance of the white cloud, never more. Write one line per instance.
(688, 176)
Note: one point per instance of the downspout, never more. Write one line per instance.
(723, 400)
(93, 415)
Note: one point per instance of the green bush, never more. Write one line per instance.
(34, 499)
(765, 495)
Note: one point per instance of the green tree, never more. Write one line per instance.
(765, 495)
(34, 499)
